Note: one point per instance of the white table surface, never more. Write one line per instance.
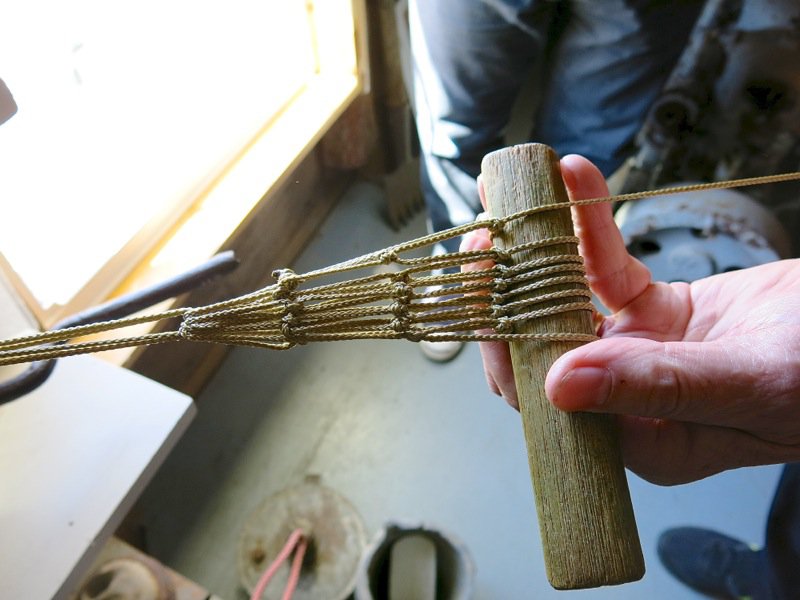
(74, 456)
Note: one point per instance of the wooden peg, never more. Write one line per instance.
(583, 504)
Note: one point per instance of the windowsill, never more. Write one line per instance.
(226, 205)
(220, 209)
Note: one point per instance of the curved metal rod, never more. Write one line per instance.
(38, 372)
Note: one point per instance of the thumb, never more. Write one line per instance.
(701, 382)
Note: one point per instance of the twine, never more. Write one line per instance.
(417, 299)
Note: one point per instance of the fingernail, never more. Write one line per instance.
(583, 389)
(567, 175)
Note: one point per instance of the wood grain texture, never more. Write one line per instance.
(583, 504)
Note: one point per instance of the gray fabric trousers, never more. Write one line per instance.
(600, 66)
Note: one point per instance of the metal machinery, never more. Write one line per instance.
(730, 109)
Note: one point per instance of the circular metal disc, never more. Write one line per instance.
(337, 542)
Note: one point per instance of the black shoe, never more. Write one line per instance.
(714, 564)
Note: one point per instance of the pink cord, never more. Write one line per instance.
(297, 563)
(295, 538)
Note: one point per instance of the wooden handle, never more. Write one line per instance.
(585, 514)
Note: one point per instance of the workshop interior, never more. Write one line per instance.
(354, 469)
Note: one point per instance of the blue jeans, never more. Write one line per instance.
(601, 65)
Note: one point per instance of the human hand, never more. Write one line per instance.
(704, 377)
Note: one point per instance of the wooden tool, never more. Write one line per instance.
(584, 508)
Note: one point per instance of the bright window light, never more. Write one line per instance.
(127, 112)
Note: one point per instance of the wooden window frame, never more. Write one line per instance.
(265, 205)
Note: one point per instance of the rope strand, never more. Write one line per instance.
(416, 301)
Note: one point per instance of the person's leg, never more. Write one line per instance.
(609, 64)
(783, 535)
(470, 59)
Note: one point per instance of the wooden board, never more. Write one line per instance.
(75, 454)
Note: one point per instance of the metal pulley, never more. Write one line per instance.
(684, 237)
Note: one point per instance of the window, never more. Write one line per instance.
(144, 126)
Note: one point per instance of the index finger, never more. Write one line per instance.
(614, 275)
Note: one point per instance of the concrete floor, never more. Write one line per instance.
(402, 438)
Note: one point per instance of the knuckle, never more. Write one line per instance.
(671, 390)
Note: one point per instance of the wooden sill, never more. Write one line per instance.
(265, 208)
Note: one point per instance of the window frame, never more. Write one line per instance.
(169, 244)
